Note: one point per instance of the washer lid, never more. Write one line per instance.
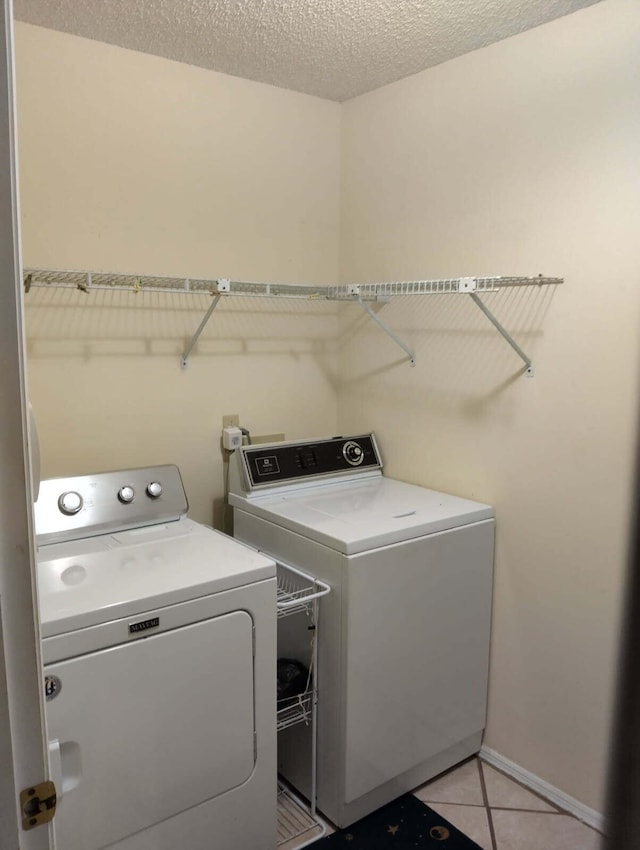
(94, 580)
(358, 516)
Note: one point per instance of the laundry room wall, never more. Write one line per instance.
(518, 159)
(135, 164)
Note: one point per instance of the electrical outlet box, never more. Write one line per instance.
(231, 438)
(231, 420)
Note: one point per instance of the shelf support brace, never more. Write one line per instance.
(505, 333)
(388, 331)
(223, 286)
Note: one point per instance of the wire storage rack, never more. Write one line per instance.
(294, 710)
(296, 590)
(299, 594)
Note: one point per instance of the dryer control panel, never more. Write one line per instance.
(282, 463)
(86, 505)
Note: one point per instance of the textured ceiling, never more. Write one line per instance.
(335, 49)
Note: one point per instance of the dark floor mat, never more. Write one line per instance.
(405, 823)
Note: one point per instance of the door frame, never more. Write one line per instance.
(22, 719)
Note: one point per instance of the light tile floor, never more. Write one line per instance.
(498, 813)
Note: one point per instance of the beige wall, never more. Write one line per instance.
(136, 164)
(520, 158)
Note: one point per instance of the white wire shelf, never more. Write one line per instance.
(360, 293)
(445, 286)
(89, 281)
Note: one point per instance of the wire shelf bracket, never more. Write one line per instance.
(529, 370)
(385, 327)
(223, 286)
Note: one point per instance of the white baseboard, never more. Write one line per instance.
(554, 795)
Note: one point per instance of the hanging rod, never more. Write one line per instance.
(360, 293)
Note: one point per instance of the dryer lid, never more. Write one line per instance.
(82, 583)
(357, 516)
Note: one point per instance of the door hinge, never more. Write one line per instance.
(38, 804)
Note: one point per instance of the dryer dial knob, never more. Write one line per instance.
(126, 494)
(352, 453)
(70, 502)
(154, 489)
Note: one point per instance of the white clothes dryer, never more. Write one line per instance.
(404, 633)
(158, 639)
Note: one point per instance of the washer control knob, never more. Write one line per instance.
(70, 502)
(126, 494)
(154, 489)
(352, 453)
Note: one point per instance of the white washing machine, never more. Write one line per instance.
(404, 633)
(158, 637)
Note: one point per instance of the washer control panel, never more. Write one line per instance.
(86, 505)
(281, 463)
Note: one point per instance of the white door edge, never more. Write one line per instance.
(22, 724)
